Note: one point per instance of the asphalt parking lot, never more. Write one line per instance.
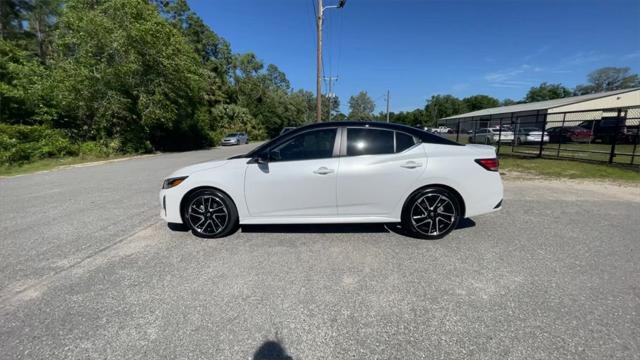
(88, 270)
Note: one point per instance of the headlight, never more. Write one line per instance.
(172, 182)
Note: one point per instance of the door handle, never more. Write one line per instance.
(323, 171)
(411, 165)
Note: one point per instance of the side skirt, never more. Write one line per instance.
(318, 220)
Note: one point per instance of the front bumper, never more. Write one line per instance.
(230, 142)
(170, 206)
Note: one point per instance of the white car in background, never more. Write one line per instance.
(339, 172)
(236, 139)
(531, 135)
(491, 136)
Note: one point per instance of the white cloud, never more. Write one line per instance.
(585, 57)
(541, 50)
(513, 77)
(633, 55)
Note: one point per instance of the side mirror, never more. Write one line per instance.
(262, 158)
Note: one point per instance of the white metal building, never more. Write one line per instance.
(559, 112)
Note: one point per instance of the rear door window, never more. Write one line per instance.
(364, 141)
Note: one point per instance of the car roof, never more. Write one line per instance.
(424, 136)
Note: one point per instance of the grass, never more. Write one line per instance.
(568, 169)
(48, 164)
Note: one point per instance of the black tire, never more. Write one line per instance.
(439, 202)
(215, 208)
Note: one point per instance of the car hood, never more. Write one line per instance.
(188, 170)
(230, 139)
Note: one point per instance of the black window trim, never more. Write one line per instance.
(334, 153)
(343, 145)
(416, 142)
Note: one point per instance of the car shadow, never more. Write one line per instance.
(339, 228)
(328, 228)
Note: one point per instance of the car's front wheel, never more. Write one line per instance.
(210, 213)
(431, 213)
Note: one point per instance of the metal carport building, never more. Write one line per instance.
(559, 112)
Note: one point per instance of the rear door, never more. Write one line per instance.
(377, 168)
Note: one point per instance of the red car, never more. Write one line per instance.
(569, 134)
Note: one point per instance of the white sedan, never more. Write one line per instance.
(531, 135)
(491, 136)
(339, 172)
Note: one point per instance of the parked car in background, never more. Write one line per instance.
(491, 136)
(531, 135)
(235, 139)
(608, 129)
(286, 130)
(334, 172)
(559, 134)
(440, 130)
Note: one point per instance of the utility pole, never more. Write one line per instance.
(319, 60)
(330, 94)
(387, 105)
(319, 19)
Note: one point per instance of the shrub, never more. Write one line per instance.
(20, 144)
(233, 118)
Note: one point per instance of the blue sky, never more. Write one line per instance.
(418, 48)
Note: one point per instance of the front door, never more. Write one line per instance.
(298, 180)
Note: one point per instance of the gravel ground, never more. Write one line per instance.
(88, 270)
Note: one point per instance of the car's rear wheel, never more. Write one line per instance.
(210, 213)
(431, 213)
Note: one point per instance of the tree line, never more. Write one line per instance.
(130, 76)
(100, 77)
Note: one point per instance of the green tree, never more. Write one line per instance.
(608, 79)
(333, 103)
(11, 16)
(41, 17)
(361, 107)
(547, 91)
(441, 106)
(20, 79)
(507, 102)
(479, 102)
(121, 71)
(233, 118)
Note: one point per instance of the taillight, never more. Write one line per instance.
(489, 164)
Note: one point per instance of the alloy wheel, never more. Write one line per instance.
(433, 214)
(208, 215)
